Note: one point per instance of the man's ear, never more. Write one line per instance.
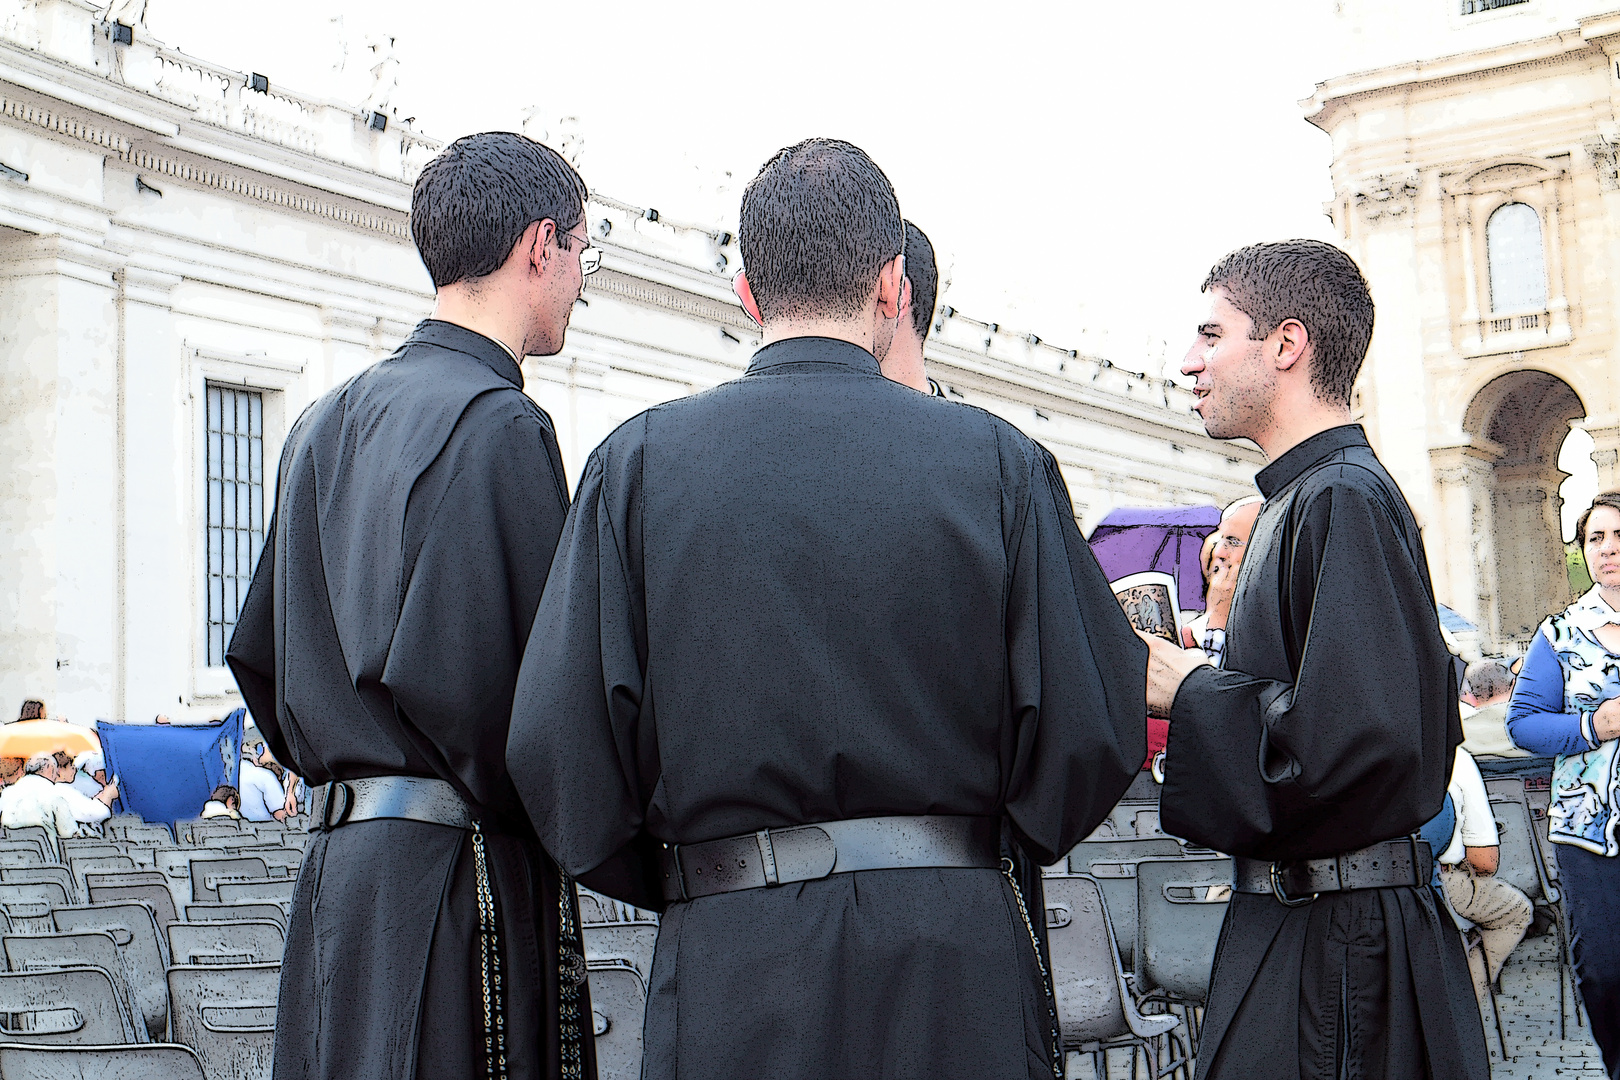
(1290, 342)
(892, 287)
(532, 244)
(745, 293)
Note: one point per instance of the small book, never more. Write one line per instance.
(1149, 601)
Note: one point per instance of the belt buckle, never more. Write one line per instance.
(330, 821)
(1282, 896)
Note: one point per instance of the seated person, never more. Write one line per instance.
(87, 810)
(1468, 875)
(224, 802)
(263, 796)
(34, 799)
(1487, 689)
(90, 773)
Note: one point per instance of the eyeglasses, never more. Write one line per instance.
(590, 256)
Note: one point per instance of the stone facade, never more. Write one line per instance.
(1475, 183)
(187, 260)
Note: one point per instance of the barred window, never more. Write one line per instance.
(235, 507)
(1517, 263)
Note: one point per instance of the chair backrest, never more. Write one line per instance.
(1113, 864)
(207, 832)
(288, 858)
(134, 832)
(156, 897)
(618, 1005)
(207, 874)
(44, 838)
(160, 1062)
(262, 891)
(1086, 978)
(20, 855)
(31, 894)
(236, 913)
(1123, 816)
(632, 942)
(28, 875)
(227, 1015)
(1180, 906)
(227, 944)
(80, 949)
(88, 847)
(1519, 855)
(134, 930)
(80, 865)
(78, 1007)
(591, 910)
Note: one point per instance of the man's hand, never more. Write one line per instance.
(107, 794)
(1606, 720)
(1166, 668)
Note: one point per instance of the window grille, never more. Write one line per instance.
(235, 507)
(1472, 7)
(1517, 263)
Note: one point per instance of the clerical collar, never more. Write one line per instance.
(481, 347)
(812, 350)
(1292, 465)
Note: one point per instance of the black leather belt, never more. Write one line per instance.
(413, 798)
(805, 852)
(1388, 864)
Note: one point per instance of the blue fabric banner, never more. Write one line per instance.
(167, 772)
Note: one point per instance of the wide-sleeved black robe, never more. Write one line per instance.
(806, 595)
(417, 510)
(1330, 726)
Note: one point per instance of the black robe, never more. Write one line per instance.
(417, 510)
(806, 595)
(1330, 726)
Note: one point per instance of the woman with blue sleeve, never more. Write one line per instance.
(1567, 703)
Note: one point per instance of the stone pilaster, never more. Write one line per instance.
(1461, 539)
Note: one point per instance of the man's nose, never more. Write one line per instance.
(1193, 362)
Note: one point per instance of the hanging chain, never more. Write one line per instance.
(1046, 981)
(490, 954)
(571, 972)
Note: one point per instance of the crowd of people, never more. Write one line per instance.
(55, 789)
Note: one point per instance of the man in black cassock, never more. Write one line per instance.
(812, 596)
(418, 506)
(1325, 738)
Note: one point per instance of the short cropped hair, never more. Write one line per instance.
(818, 223)
(1487, 679)
(32, 709)
(1315, 283)
(223, 792)
(923, 271)
(472, 202)
(63, 759)
(39, 763)
(11, 769)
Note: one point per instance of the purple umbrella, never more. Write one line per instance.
(1133, 539)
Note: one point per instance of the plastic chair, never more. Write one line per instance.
(164, 1061)
(155, 897)
(262, 891)
(631, 942)
(81, 949)
(1180, 907)
(1096, 1012)
(134, 930)
(592, 912)
(1123, 816)
(45, 838)
(197, 913)
(1113, 864)
(78, 1007)
(207, 832)
(1522, 863)
(618, 1006)
(27, 875)
(26, 899)
(227, 1015)
(80, 865)
(208, 874)
(139, 832)
(227, 944)
(281, 861)
(88, 847)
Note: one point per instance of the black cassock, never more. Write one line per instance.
(812, 594)
(417, 510)
(1330, 726)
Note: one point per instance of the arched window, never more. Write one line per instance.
(1517, 264)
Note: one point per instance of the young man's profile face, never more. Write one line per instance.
(1235, 386)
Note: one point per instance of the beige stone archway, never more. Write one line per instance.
(1506, 481)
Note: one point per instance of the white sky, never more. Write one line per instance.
(1078, 166)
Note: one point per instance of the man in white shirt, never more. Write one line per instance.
(1486, 690)
(33, 799)
(89, 773)
(1208, 632)
(87, 809)
(1468, 874)
(263, 797)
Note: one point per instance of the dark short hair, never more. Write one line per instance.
(223, 792)
(818, 223)
(472, 202)
(64, 760)
(923, 272)
(1487, 678)
(1611, 499)
(1315, 283)
(32, 709)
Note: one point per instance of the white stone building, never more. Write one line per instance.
(189, 255)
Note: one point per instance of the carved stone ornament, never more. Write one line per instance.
(1605, 155)
(1385, 197)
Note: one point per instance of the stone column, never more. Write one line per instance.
(1606, 455)
(1530, 551)
(1460, 538)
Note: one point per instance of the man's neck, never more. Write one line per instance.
(1295, 421)
(855, 332)
(903, 363)
(491, 319)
